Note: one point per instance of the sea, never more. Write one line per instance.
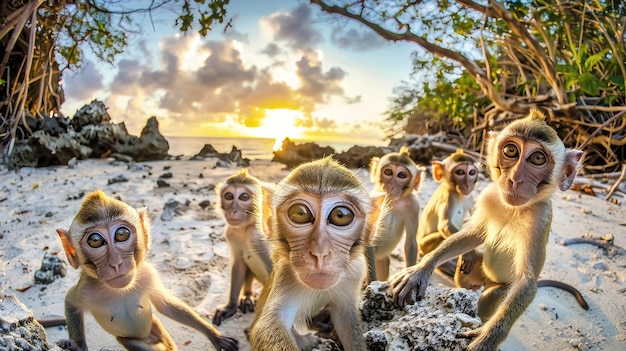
(251, 148)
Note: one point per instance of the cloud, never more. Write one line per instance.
(83, 84)
(271, 50)
(295, 27)
(220, 85)
(352, 39)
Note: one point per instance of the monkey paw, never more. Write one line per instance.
(67, 344)
(246, 305)
(222, 313)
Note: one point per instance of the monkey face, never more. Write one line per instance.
(321, 231)
(526, 170)
(111, 249)
(464, 176)
(395, 179)
(236, 202)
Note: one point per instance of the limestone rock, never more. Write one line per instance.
(18, 328)
(429, 324)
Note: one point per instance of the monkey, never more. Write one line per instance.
(108, 241)
(317, 222)
(527, 162)
(396, 180)
(448, 206)
(249, 250)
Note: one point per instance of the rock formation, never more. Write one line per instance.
(18, 328)
(89, 134)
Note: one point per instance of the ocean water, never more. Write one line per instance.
(251, 148)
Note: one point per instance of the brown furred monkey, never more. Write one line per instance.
(512, 216)
(396, 179)
(108, 240)
(317, 222)
(448, 206)
(249, 250)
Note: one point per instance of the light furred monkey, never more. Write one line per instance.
(396, 180)
(512, 216)
(108, 240)
(448, 206)
(248, 247)
(317, 222)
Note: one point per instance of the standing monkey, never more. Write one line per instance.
(527, 162)
(108, 240)
(444, 213)
(317, 221)
(250, 253)
(396, 179)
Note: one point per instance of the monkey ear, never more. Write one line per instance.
(437, 170)
(145, 226)
(571, 168)
(418, 177)
(373, 166)
(263, 201)
(70, 253)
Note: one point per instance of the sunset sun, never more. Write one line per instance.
(278, 125)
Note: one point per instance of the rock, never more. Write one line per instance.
(224, 159)
(173, 208)
(150, 146)
(360, 156)
(292, 154)
(89, 134)
(429, 324)
(18, 328)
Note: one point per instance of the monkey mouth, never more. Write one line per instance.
(513, 199)
(121, 281)
(319, 280)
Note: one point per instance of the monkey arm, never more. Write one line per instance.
(75, 325)
(415, 278)
(410, 241)
(518, 297)
(237, 277)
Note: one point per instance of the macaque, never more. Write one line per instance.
(250, 253)
(317, 222)
(512, 216)
(396, 180)
(108, 240)
(444, 213)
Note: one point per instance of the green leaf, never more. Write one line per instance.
(589, 84)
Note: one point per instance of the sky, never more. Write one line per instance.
(284, 69)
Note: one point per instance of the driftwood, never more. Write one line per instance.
(606, 242)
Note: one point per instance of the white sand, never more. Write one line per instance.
(192, 256)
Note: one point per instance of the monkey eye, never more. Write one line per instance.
(300, 214)
(538, 158)
(472, 172)
(122, 234)
(229, 196)
(341, 216)
(459, 172)
(95, 240)
(387, 172)
(510, 150)
(402, 175)
(244, 197)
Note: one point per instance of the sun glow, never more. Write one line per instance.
(279, 124)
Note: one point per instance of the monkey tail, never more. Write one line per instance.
(52, 322)
(564, 286)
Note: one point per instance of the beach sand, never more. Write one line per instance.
(192, 257)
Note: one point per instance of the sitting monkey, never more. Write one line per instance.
(108, 240)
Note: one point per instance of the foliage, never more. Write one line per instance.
(40, 39)
(497, 60)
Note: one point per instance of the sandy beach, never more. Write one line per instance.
(192, 257)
